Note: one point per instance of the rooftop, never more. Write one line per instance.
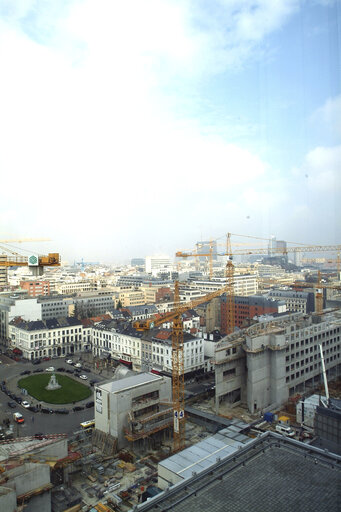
(129, 382)
(270, 473)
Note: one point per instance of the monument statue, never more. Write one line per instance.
(53, 384)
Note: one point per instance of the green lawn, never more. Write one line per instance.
(71, 390)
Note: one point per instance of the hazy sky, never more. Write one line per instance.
(134, 127)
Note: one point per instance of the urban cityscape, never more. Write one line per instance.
(120, 379)
(170, 256)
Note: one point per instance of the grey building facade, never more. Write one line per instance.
(265, 364)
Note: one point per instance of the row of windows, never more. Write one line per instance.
(309, 360)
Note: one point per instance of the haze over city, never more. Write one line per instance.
(131, 128)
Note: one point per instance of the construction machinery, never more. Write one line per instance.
(35, 262)
(178, 385)
(229, 272)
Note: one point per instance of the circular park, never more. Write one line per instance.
(67, 390)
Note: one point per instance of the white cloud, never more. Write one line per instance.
(322, 169)
(91, 150)
(329, 115)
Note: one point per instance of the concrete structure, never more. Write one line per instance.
(282, 358)
(24, 483)
(131, 408)
(305, 410)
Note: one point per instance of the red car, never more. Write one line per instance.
(46, 358)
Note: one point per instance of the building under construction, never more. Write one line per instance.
(136, 409)
(29, 468)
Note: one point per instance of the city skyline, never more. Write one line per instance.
(140, 128)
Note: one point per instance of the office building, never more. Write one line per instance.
(282, 358)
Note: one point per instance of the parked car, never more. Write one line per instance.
(36, 361)
(25, 404)
(12, 405)
(69, 371)
(61, 369)
(33, 408)
(78, 365)
(18, 399)
(50, 369)
(93, 382)
(18, 418)
(62, 411)
(69, 361)
(46, 358)
(83, 377)
(38, 370)
(46, 410)
(88, 405)
(78, 408)
(25, 372)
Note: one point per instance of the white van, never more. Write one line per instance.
(285, 430)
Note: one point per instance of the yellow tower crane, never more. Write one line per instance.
(178, 386)
(301, 248)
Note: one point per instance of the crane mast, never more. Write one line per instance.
(230, 314)
(178, 378)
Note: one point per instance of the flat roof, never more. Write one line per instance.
(269, 473)
(115, 386)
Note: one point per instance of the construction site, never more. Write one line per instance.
(150, 434)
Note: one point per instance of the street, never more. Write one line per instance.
(39, 422)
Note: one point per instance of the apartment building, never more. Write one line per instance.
(295, 301)
(119, 340)
(281, 356)
(142, 312)
(156, 351)
(53, 337)
(36, 288)
(152, 349)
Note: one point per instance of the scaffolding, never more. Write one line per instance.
(143, 427)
